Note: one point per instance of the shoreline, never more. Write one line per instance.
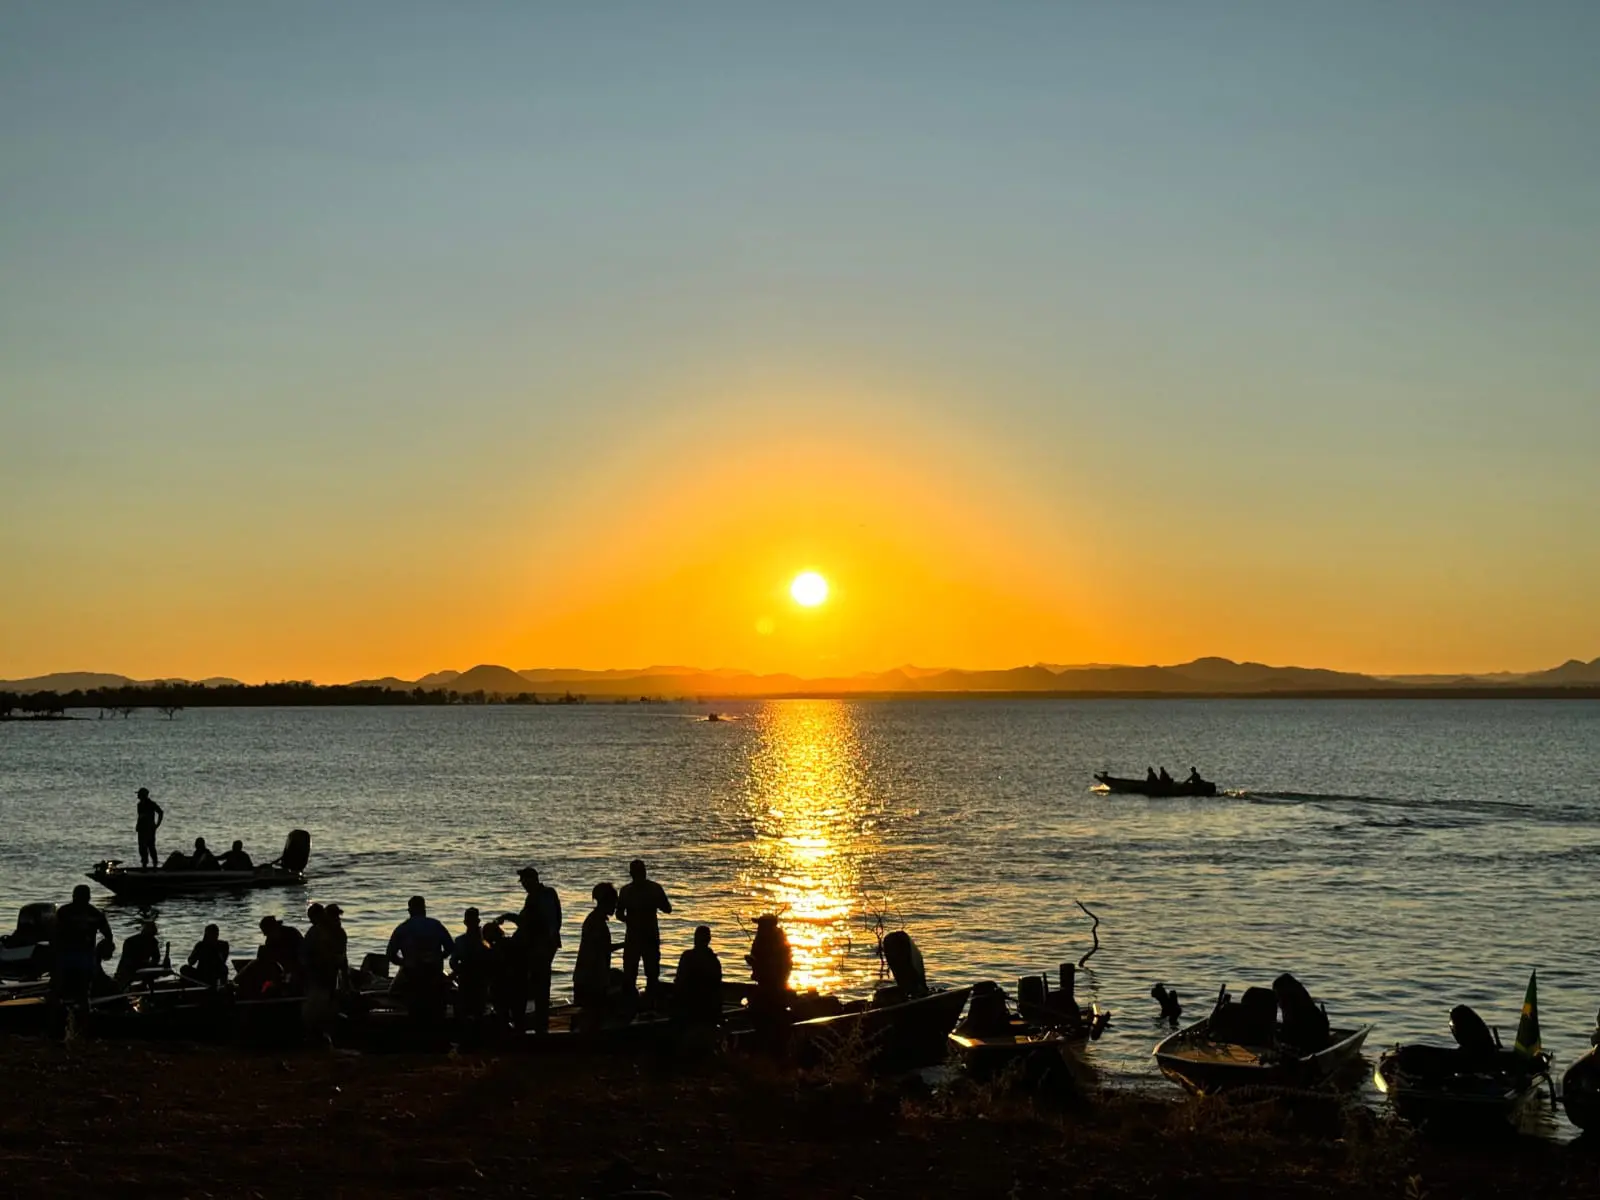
(83, 1117)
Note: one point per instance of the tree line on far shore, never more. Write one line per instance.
(170, 699)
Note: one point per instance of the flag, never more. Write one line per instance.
(1528, 1028)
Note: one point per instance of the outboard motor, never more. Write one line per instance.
(296, 851)
(987, 1014)
(1471, 1034)
(35, 923)
(905, 964)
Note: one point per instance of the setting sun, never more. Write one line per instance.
(809, 589)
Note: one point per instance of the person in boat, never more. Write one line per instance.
(149, 818)
(637, 905)
(236, 859)
(506, 973)
(261, 976)
(284, 946)
(139, 953)
(535, 942)
(1150, 776)
(1164, 779)
(326, 968)
(420, 945)
(202, 859)
(697, 987)
(469, 967)
(208, 961)
(591, 977)
(82, 940)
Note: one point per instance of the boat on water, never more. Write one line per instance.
(1244, 1043)
(1475, 1086)
(151, 883)
(992, 1038)
(903, 1026)
(1156, 787)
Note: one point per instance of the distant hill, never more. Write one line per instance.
(487, 677)
(1569, 673)
(83, 681)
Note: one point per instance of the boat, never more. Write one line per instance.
(1244, 1044)
(1475, 1086)
(25, 952)
(992, 1039)
(152, 883)
(1580, 1085)
(903, 1026)
(1156, 787)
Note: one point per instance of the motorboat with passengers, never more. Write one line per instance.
(152, 883)
(1157, 785)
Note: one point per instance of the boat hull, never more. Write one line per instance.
(894, 1037)
(1428, 1091)
(1580, 1091)
(137, 883)
(1143, 787)
(1192, 1058)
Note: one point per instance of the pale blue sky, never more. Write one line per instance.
(266, 268)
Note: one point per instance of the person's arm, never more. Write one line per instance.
(666, 905)
(104, 927)
(446, 942)
(161, 814)
(393, 952)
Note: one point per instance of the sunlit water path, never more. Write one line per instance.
(1400, 856)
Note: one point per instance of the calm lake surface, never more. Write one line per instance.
(1400, 857)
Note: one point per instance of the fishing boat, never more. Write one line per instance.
(1475, 1086)
(991, 1039)
(1580, 1086)
(1156, 787)
(903, 1025)
(1244, 1043)
(152, 883)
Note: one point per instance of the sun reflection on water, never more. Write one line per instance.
(811, 813)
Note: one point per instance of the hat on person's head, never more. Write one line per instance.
(527, 871)
(332, 910)
(144, 793)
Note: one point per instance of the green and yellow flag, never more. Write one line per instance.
(1528, 1028)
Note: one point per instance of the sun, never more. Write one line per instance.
(809, 589)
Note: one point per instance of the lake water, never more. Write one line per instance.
(1400, 857)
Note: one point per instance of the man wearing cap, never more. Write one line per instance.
(536, 941)
(148, 821)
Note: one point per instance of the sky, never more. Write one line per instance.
(348, 340)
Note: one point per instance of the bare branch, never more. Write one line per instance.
(1094, 931)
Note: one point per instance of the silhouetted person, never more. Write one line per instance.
(637, 906)
(139, 953)
(536, 941)
(420, 945)
(208, 961)
(1166, 780)
(236, 859)
(326, 967)
(469, 965)
(771, 961)
(82, 938)
(284, 945)
(202, 859)
(591, 977)
(1194, 776)
(145, 825)
(261, 976)
(1150, 775)
(697, 987)
(507, 975)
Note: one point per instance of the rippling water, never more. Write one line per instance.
(1401, 857)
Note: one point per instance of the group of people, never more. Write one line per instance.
(149, 818)
(503, 966)
(1161, 778)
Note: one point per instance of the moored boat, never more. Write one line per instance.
(1475, 1086)
(991, 1039)
(1244, 1044)
(1156, 787)
(151, 883)
(25, 952)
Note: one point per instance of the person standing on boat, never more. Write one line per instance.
(535, 943)
(77, 950)
(591, 977)
(637, 905)
(149, 820)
